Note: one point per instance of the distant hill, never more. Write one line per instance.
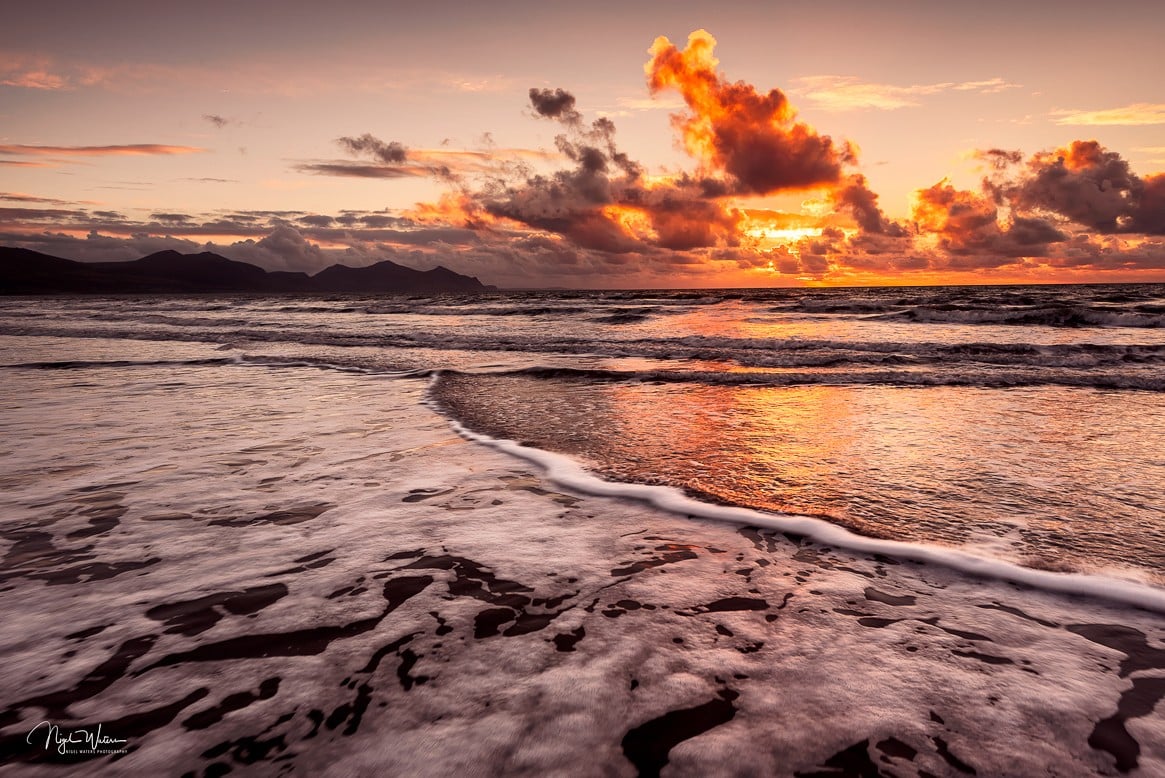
(169, 272)
(384, 276)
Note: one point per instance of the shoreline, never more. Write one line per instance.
(403, 601)
(565, 472)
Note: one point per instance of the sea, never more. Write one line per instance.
(1007, 434)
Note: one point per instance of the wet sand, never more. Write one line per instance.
(301, 572)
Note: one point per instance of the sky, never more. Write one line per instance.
(595, 145)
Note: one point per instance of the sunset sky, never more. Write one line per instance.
(598, 144)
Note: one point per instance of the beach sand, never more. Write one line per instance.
(307, 572)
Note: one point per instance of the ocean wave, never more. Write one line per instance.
(626, 317)
(1042, 316)
(382, 309)
(997, 379)
(757, 353)
(83, 364)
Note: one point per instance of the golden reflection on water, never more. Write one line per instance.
(1041, 475)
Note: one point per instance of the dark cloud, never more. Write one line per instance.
(1084, 183)
(863, 203)
(366, 145)
(43, 215)
(17, 197)
(999, 159)
(1149, 214)
(555, 104)
(357, 170)
(170, 218)
(1027, 231)
(393, 160)
(1087, 185)
(379, 220)
(601, 203)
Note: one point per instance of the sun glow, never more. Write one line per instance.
(632, 221)
(782, 237)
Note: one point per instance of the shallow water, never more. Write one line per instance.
(1056, 478)
(1020, 422)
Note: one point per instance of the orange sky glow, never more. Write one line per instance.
(681, 160)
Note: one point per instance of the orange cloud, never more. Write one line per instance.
(732, 128)
(30, 72)
(35, 79)
(99, 151)
(960, 217)
(964, 223)
(453, 208)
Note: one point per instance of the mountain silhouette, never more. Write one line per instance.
(168, 272)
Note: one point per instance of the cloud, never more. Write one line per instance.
(43, 215)
(988, 87)
(849, 93)
(602, 203)
(650, 103)
(285, 248)
(554, 104)
(30, 72)
(863, 204)
(395, 160)
(25, 163)
(1149, 216)
(171, 218)
(390, 160)
(1088, 185)
(1137, 114)
(35, 79)
(18, 197)
(736, 130)
(998, 160)
(392, 153)
(967, 224)
(358, 170)
(99, 151)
